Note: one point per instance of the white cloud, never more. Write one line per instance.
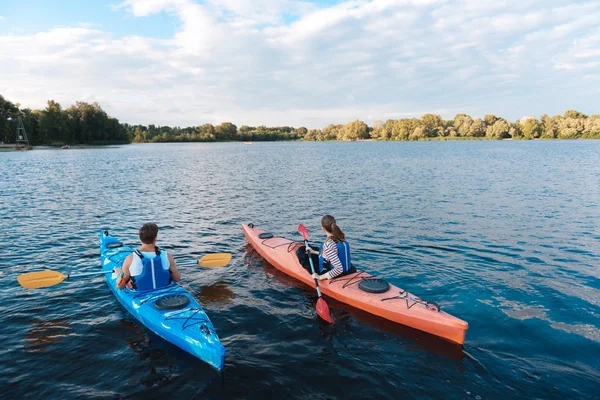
(143, 8)
(292, 62)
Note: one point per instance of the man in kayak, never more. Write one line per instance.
(334, 254)
(148, 268)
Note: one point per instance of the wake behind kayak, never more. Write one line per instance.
(171, 312)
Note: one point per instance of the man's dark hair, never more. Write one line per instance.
(148, 232)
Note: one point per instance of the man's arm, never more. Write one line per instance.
(124, 273)
(175, 275)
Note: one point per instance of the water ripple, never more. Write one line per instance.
(501, 234)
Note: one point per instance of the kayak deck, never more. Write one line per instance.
(395, 304)
(187, 327)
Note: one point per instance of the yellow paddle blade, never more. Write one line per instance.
(36, 280)
(215, 260)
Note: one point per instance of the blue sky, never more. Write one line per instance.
(301, 63)
(29, 17)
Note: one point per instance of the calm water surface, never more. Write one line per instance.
(501, 234)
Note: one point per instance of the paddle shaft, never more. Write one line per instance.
(188, 263)
(106, 272)
(312, 268)
(89, 273)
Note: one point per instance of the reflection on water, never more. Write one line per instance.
(217, 294)
(43, 333)
(137, 339)
(140, 342)
(349, 315)
(153, 379)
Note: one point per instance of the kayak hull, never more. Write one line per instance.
(189, 328)
(395, 304)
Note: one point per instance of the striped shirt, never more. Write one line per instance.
(330, 253)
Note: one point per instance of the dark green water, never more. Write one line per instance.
(501, 234)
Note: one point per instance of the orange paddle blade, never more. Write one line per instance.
(215, 260)
(40, 279)
(323, 311)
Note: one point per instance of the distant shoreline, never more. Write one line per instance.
(86, 124)
(10, 147)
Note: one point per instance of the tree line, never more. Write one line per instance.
(84, 123)
(80, 123)
(572, 125)
(210, 133)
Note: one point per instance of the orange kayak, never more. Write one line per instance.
(394, 304)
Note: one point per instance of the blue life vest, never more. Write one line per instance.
(153, 275)
(343, 249)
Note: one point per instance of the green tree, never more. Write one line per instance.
(462, 125)
(432, 125)
(331, 132)
(140, 136)
(549, 127)
(301, 132)
(574, 114)
(88, 123)
(401, 129)
(477, 128)
(592, 126)
(380, 134)
(354, 130)
(490, 119)
(226, 131)
(7, 127)
(207, 133)
(570, 128)
(418, 133)
(262, 133)
(53, 123)
(499, 130)
(313, 135)
(531, 128)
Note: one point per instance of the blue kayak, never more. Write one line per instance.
(169, 312)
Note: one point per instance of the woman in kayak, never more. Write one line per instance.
(334, 254)
(148, 268)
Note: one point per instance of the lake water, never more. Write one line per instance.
(501, 234)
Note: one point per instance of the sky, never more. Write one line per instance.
(302, 63)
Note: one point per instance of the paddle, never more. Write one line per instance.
(40, 279)
(211, 260)
(322, 307)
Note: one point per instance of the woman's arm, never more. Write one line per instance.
(175, 275)
(330, 253)
(310, 250)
